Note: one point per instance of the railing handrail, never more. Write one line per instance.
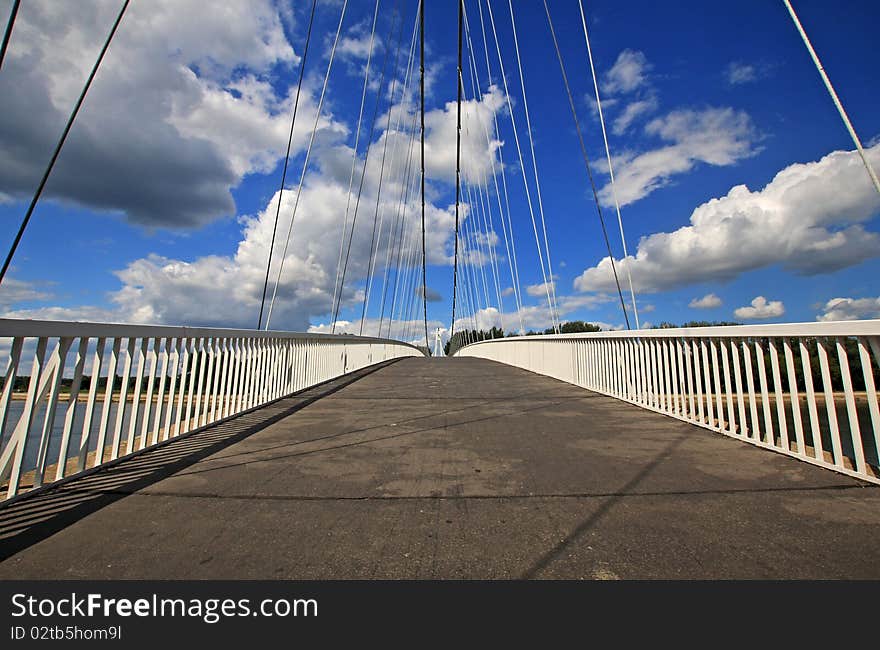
(38, 328)
(830, 328)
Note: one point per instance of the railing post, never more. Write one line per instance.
(123, 401)
(72, 402)
(769, 436)
(794, 397)
(160, 396)
(172, 388)
(108, 400)
(780, 398)
(13, 454)
(153, 363)
(728, 385)
(59, 356)
(851, 411)
(755, 429)
(86, 435)
(871, 392)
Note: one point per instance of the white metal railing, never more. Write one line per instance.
(808, 390)
(60, 414)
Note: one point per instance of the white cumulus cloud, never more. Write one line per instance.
(709, 301)
(226, 289)
(170, 104)
(808, 219)
(628, 73)
(713, 136)
(850, 309)
(760, 308)
(740, 73)
(541, 289)
(632, 112)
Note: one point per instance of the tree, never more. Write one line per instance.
(696, 323)
(465, 337)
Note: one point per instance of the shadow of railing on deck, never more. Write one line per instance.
(33, 518)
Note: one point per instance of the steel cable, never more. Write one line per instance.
(302, 67)
(57, 152)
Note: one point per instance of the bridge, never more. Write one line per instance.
(733, 452)
(154, 451)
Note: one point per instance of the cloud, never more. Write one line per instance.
(476, 154)
(632, 112)
(541, 289)
(807, 219)
(181, 110)
(509, 291)
(850, 309)
(215, 290)
(628, 73)
(718, 136)
(84, 313)
(714, 136)
(760, 309)
(358, 46)
(14, 291)
(709, 301)
(226, 116)
(740, 73)
(411, 331)
(354, 49)
(225, 290)
(535, 317)
(430, 294)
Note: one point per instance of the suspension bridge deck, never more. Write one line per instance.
(448, 468)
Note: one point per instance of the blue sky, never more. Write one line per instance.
(161, 205)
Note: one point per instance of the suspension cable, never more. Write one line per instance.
(477, 269)
(354, 160)
(506, 221)
(377, 233)
(577, 126)
(457, 164)
(57, 152)
(357, 202)
(422, 98)
(8, 33)
(302, 67)
(476, 257)
(402, 289)
(404, 168)
(395, 250)
(834, 97)
(306, 161)
(404, 256)
(482, 189)
(488, 227)
(551, 287)
(610, 167)
(521, 163)
(484, 212)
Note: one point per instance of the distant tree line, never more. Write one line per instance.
(465, 337)
(696, 323)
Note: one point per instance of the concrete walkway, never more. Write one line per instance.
(449, 468)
